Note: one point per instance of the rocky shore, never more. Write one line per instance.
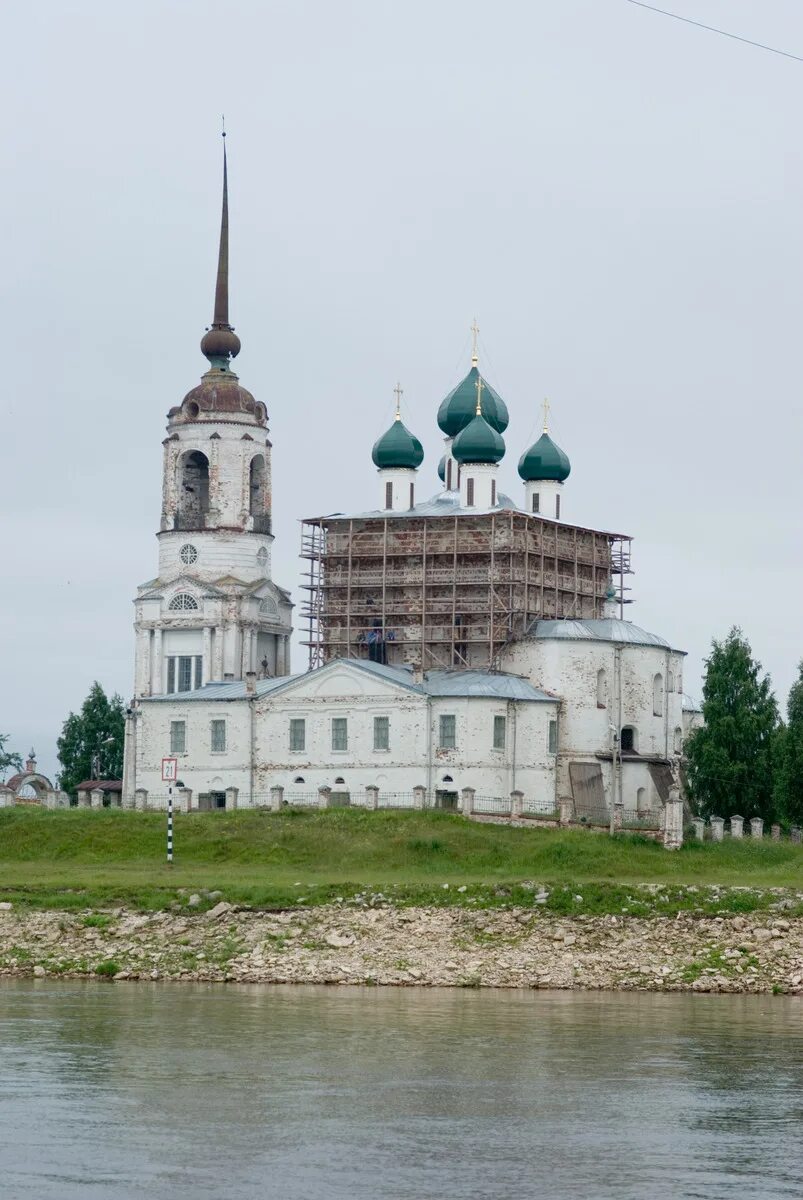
(398, 946)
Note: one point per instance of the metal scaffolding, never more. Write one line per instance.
(452, 590)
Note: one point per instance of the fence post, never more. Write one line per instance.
(276, 797)
(324, 793)
(96, 798)
(673, 823)
(231, 797)
(467, 801)
(756, 827)
(618, 814)
(185, 799)
(699, 828)
(372, 797)
(516, 805)
(795, 833)
(717, 828)
(775, 833)
(737, 826)
(565, 810)
(419, 796)
(141, 799)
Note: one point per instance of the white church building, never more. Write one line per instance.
(464, 650)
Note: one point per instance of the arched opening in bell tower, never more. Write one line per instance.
(193, 504)
(258, 488)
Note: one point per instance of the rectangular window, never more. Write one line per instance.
(340, 733)
(557, 508)
(469, 493)
(389, 494)
(178, 737)
(552, 737)
(500, 730)
(184, 674)
(536, 502)
(412, 495)
(381, 733)
(448, 732)
(218, 729)
(298, 733)
(493, 492)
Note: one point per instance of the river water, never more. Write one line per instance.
(174, 1091)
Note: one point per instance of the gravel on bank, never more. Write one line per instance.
(397, 946)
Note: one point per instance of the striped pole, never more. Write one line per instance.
(169, 824)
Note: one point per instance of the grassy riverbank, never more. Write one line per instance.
(83, 859)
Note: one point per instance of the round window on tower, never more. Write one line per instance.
(262, 556)
(188, 554)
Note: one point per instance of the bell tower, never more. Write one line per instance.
(213, 612)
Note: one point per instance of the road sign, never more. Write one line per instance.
(169, 770)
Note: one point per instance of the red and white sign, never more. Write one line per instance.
(169, 770)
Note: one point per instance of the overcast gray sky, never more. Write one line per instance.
(616, 196)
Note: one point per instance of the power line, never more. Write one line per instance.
(713, 29)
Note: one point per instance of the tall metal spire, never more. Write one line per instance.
(221, 316)
(220, 343)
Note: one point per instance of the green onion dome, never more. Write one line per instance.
(544, 460)
(458, 409)
(478, 442)
(398, 448)
(442, 469)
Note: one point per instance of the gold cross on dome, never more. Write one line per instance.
(479, 396)
(475, 335)
(398, 392)
(546, 415)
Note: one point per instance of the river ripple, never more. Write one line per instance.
(179, 1091)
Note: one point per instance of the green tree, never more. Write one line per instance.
(730, 758)
(8, 758)
(91, 742)
(789, 757)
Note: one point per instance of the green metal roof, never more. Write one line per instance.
(457, 410)
(544, 460)
(398, 448)
(479, 442)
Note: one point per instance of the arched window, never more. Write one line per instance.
(183, 602)
(641, 801)
(602, 689)
(298, 779)
(658, 695)
(193, 502)
(678, 742)
(258, 486)
(670, 681)
(628, 742)
(340, 779)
